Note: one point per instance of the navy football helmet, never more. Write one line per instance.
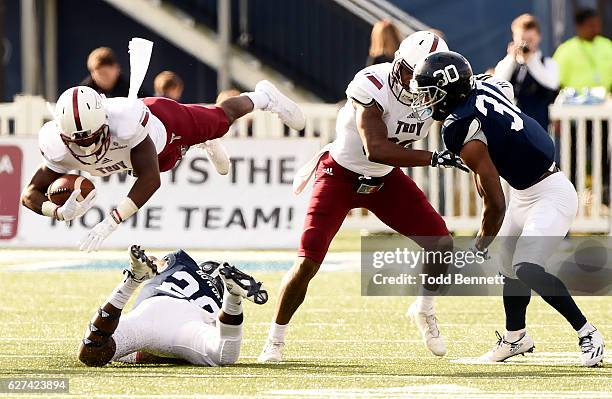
(440, 82)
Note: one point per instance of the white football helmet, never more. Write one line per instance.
(82, 122)
(412, 49)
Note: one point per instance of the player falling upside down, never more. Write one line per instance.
(361, 169)
(103, 136)
(495, 138)
(189, 313)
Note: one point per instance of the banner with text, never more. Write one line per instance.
(252, 207)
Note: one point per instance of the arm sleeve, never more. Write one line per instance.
(454, 134)
(51, 148)
(545, 73)
(141, 132)
(367, 91)
(54, 166)
(504, 68)
(475, 132)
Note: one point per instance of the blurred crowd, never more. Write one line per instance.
(106, 78)
(579, 71)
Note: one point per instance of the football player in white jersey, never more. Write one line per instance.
(361, 169)
(188, 313)
(103, 136)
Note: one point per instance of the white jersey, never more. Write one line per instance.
(372, 84)
(129, 123)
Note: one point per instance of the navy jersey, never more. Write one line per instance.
(519, 147)
(185, 279)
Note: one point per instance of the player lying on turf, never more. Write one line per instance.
(102, 136)
(188, 313)
(361, 169)
(495, 138)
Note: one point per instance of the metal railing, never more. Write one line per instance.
(372, 11)
(579, 137)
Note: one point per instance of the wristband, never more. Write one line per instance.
(50, 209)
(124, 210)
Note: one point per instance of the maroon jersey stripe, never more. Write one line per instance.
(376, 82)
(145, 119)
(75, 109)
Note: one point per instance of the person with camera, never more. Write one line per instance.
(535, 78)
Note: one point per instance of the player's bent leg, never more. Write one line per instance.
(332, 197)
(100, 345)
(414, 217)
(292, 294)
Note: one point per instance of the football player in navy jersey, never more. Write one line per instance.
(188, 313)
(494, 138)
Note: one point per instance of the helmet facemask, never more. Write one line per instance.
(400, 90)
(88, 148)
(426, 100)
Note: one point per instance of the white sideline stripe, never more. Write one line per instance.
(448, 391)
(52, 264)
(29, 356)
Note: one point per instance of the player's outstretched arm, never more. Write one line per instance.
(476, 156)
(146, 167)
(378, 148)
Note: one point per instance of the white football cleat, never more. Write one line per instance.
(504, 350)
(141, 267)
(242, 284)
(272, 352)
(286, 109)
(217, 155)
(428, 327)
(592, 347)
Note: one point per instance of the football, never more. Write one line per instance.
(60, 189)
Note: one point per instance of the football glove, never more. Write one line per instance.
(447, 159)
(74, 208)
(98, 234)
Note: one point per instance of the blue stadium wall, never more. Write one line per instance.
(314, 42)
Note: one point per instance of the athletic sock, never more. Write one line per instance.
(122, 293)
(553, 291)
(584, 330)
(232, 304)
(260, 100)
(516, 298)
(513, 336)
(277, 332)
(425, 300)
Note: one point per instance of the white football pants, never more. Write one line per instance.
(172, 327)
(545, 210)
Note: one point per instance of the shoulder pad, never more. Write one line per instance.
(124, 117)
(503, 85)
(368, 87)
(50, 143)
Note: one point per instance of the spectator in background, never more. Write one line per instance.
(384, 42)
(585, 60)
(535, 78)
(105, 74)
(225, 94)
(168, 84)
